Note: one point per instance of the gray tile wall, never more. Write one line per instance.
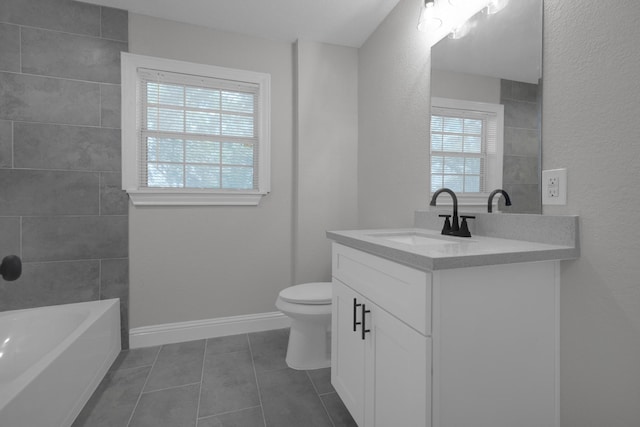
(521, 167)
(61, 206)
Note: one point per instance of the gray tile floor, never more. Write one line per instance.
(236, 381)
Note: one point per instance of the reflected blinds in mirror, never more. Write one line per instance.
(462, 142)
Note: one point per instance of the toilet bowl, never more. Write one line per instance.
(309, 308)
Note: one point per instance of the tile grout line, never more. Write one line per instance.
(326, 411)
(235, 411)
(99, 279)
(143, 386)
(204, 357)
(169, 388)
(255, 375)
(66, 124)
(100, 102)
(13, 144)
(20, 48)
(99, 36)
(313, 384)
(72, 79)
(20, 237)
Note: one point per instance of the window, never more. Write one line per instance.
(466, 148)
(194, 134)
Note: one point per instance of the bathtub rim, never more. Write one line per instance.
(97, 308)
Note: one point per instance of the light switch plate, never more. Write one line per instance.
(554, 187)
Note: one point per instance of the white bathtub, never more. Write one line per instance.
(53, 358)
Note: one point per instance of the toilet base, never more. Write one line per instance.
(309, 346)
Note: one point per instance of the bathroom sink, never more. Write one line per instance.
(417, 239)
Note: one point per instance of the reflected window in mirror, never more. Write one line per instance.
(500, 61)
(466, 148)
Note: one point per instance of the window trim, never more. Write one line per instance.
(130, 143)
(494, 167)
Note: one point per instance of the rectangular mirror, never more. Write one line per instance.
(492, 60)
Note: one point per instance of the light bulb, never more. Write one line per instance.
(428, 19)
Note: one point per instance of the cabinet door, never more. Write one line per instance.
(398, 373)
(347, 352)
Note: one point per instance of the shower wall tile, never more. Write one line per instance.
(60, 156)
(37, 192)
(62, 15)
(113, 199)
(114, 280)
(49, 100)
(114, 283)
(56, 54)
(520, 114)
(6, 144)
(9, 47)
(114, 24)
(520, 91)
(51, 283)
(521, 142)
(75, 237)
(528, 196)
(110, 105)
(521, 146)
(46, 146)
(10, 236)
(521, 170)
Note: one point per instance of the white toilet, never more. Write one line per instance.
(309, 307)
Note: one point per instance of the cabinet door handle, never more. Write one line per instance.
(364, 328)
(355, 310)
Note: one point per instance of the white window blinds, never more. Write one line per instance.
(463, 149)
(197, 132)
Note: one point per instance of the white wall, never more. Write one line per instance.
(471, 87)
(326, 153)
(591, 126)
(192, 263)
(393, 125)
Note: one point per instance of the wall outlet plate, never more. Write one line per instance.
(554, 187)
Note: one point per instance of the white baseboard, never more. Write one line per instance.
(170, 333)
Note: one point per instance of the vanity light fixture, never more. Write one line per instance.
(428, 19)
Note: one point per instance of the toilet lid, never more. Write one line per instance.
(308, 293)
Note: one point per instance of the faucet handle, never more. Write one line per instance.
(464, 228)
(446, 228)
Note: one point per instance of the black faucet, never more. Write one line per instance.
(452, 229)
(507, 199)
(449, 228)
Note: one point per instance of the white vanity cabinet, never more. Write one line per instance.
(380, 363)
(463, 347)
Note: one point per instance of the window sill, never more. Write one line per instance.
(466, 199)
(192, 198)
(468, 203)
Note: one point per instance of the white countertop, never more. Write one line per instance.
(453, 252)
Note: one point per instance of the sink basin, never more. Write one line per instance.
(417, 239)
